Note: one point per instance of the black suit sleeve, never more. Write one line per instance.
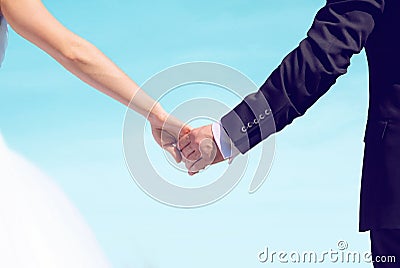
(340, 30)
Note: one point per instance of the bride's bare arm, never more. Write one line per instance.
(30, 19)
(33, 21)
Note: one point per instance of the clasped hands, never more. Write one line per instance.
(195, 147)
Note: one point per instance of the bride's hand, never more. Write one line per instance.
(167, 130)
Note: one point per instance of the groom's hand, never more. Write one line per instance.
(199, 149)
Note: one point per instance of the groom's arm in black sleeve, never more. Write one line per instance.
(340, 30)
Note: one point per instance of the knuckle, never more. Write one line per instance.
(194, 169)
(192, 157)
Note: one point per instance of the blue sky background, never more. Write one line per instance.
(73, 133)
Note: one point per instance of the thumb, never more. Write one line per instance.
(185, 129)
(176, 154)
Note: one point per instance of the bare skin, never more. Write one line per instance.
(90, 65)
(199, 149)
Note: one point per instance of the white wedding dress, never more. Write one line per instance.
(39, 226)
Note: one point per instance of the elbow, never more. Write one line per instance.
(75, 52)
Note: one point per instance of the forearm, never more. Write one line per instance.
(90, 65)
(76, 54)
(339, 31)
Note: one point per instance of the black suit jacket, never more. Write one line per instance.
(340, 29)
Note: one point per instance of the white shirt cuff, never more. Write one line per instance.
(224, 143)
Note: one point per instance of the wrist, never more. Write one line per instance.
(218, 156)
(157, 114)
(225, 145)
